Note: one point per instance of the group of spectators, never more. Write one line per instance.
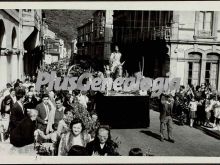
(66, 119)
(197, 106)
(69, 121)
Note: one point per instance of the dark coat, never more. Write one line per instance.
(41, 112)
(164, 107)
(41, 116)
(30, 104)
(23, 134)
(108, 149)
(17, 115)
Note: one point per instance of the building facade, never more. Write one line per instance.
(181, 44)
(11, 57)
(195, 47)
(103, 26)
(54, 47)
(85, 39)
(20, 42)
(32, 40)
(95, 37)
(142, 37)
(52, 50)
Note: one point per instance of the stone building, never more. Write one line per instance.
(11, 57)
(195, 48)
(32, 40)
(181, 44)
(54, 48)
(20, 42)
(103, 33)
(85, 39)
(142, 37)
(95, 38)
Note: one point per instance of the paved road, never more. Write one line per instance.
(188, 141)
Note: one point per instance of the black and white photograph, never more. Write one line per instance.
(109, 82)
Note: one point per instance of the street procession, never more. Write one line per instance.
(124, 83)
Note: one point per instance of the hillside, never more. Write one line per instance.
(65, 22)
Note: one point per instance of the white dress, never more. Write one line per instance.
(115, 60)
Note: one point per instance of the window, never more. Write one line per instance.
(194, 68)
(211, 71)
(205, 23)
(194, 73)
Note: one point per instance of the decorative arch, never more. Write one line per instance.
(210, 51)
(212, 67)
(2, 34)
(193, 50)
(14, 38)
(193, 65)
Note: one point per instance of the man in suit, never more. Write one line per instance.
(44, 109)
(166, 107)
(23, 134)
(8, 102)
(17, 112)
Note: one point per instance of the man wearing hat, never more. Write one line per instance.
(166, 107)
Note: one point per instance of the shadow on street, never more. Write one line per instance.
(152, 134)
(208, 132)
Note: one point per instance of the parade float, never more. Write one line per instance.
(122, 101)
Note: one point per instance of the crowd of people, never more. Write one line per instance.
(197, 106)
(66, 119)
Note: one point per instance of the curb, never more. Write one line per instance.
(213, 133)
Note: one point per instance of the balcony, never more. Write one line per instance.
(205, 34)
(162, 33)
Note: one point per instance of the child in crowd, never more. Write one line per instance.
(193, 108)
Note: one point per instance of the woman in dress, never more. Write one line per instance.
(76, 136)
(193, 108)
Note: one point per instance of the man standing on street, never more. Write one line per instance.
(17, 112)
(166, 107)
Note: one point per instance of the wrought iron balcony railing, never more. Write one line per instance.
(162, 32)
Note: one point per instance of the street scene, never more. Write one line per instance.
(109, 83)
